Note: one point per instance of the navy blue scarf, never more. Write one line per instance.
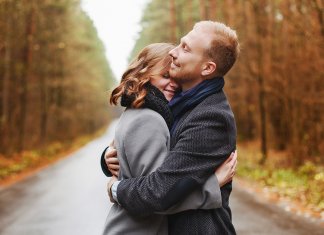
(184, 101)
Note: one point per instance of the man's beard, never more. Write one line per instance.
(180, 77)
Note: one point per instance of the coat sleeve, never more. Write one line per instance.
(209, 197)
(103, 164)
(202, 146)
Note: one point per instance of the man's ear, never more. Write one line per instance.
(208, 69)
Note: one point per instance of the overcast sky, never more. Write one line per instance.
(117, 23)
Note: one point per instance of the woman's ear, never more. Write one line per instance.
(208, 69)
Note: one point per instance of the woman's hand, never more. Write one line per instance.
(112, 160)
(226, 171)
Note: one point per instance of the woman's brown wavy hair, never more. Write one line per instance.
(139, 71)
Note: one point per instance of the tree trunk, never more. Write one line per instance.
(28, 61)
(190, 12)
(43, 108)
(230, 9)
(173, 25)
(212, 10)
(203, 10)
(318, 5)
(261, 24)
(6, 80)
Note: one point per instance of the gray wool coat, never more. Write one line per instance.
(203, 139)
(142, 141)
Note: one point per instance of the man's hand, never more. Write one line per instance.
(226, 171)
(109, 185)
(112, 160)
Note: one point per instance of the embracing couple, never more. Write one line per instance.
(176, 139)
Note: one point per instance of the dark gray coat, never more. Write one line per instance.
(204, 137)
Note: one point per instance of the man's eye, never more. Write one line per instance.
(166, 75)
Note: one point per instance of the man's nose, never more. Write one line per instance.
(172, 52)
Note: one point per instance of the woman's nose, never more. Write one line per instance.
(173, 84)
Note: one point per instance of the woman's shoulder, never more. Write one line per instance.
(142, 119)
(138, 122)
(142, 115)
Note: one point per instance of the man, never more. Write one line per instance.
(202, 137)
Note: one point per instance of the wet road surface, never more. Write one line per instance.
(66, 198)
(70, 198)
(253, 215)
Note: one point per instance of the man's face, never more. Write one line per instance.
(188, 58)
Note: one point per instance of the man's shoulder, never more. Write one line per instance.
(216, 103)
(214, 109)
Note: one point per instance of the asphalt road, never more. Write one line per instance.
(70, 198)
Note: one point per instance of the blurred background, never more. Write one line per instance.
(57, 67)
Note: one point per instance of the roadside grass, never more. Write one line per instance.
(16, 166)
(304, 184)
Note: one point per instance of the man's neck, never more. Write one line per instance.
(188, 86)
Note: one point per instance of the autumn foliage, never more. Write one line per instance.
(276, 88)
(54, 74)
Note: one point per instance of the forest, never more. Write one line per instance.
(55, 78)
(276, 88)
(54, 74)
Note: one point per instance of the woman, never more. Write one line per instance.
(142, 138)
